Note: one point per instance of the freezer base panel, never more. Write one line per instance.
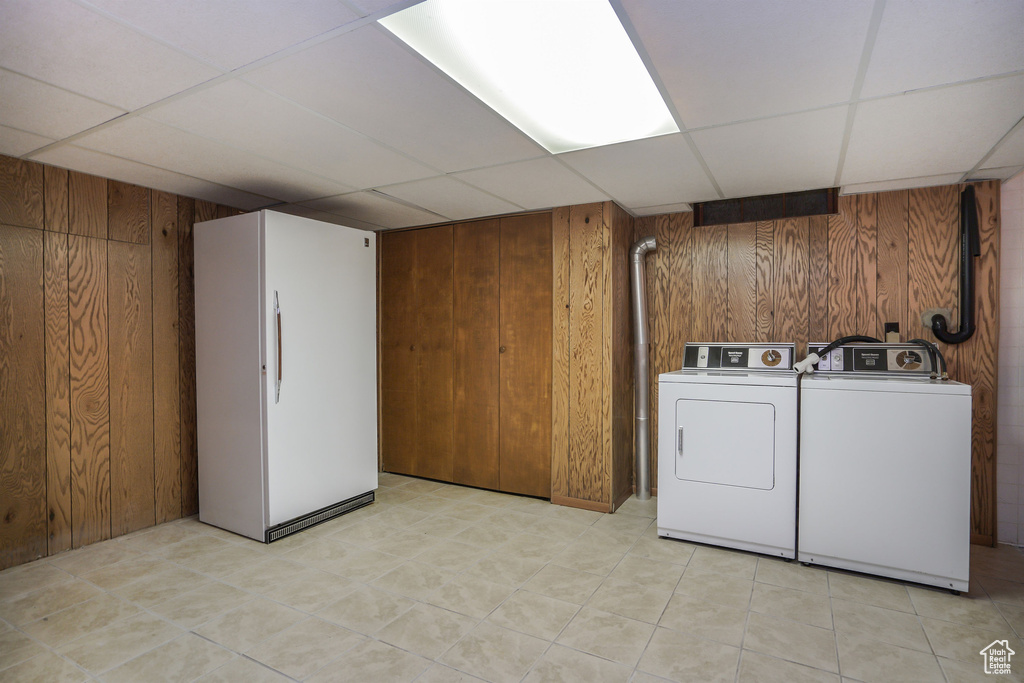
(317, 517)
(956, 584)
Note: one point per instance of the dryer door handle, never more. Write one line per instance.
(679, 443)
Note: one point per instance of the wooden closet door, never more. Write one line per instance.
(476, 354)
(525, 355)
(434, 352)
(22, 399)
(397, 351)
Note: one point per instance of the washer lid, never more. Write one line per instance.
(890, 383)
(770, 379)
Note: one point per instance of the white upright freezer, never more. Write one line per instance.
(285, 372)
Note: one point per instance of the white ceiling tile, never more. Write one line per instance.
(663, 208)
(1010, 152)
(367, 7)
(158, 145)
(729, 61)
(537, 184)
(323, 216)
(901, 184)
(248, 118)
(783, 154)
(368, 82)
(63, 43)
(1003, 174)
(450, 198)
(375, 208)
(37, 107)
(923, 43)
(231, 33)
(932, 132)
(648, 172)
(14, 142)
(97, 163)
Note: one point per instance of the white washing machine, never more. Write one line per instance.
(727, 448)
(885, 467)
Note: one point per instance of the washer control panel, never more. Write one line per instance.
(711, 356)
(874, 359)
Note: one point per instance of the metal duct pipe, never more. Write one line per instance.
(641, 394)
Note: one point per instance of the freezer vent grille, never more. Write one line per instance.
(314, 518)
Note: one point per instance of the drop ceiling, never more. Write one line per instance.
(311, 107)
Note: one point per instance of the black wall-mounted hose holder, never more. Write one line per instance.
(970, 248)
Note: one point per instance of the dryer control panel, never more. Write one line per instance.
(874, 359)
(746, 357)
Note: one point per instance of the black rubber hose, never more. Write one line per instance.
(970, 247)
(805, 365)
(932, 351)
(935, 354)
(842, 341)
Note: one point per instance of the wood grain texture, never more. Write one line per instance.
(525, 354)
(891, 290)
(817, 282)
(671, 320)
(791, 275)
(866, 231)
(560, 353)
(166, 375)
(607, 329)
(207, 211)
(743, 314)
(55, 194)
(90, 405)
(933, 260)
(764, 326)
(87, 205)
(58, 396)
(620, 342)
(476, 388)
(21, 193)
(130, 307)
(978, 366)
(710, 284)
(398, 337)
(842, 271)
(83, 342)
(588, 473)
(435, 347)
(22, 399)
(189, 449)
(128, 216)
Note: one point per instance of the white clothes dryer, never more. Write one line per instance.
(727, 448)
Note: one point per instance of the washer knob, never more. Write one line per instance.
(771, 358)
(908, 360)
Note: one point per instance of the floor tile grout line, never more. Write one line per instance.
(521, 586)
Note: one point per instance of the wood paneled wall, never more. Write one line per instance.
(592, 360)
(883, 258)
(97, 358)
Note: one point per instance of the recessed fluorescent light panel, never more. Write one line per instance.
(562, 71)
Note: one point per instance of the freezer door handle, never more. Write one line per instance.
(277, 383)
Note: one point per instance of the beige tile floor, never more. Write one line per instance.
(445, 583)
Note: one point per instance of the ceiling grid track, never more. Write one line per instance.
(858, 83)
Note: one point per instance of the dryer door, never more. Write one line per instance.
(731, 443)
